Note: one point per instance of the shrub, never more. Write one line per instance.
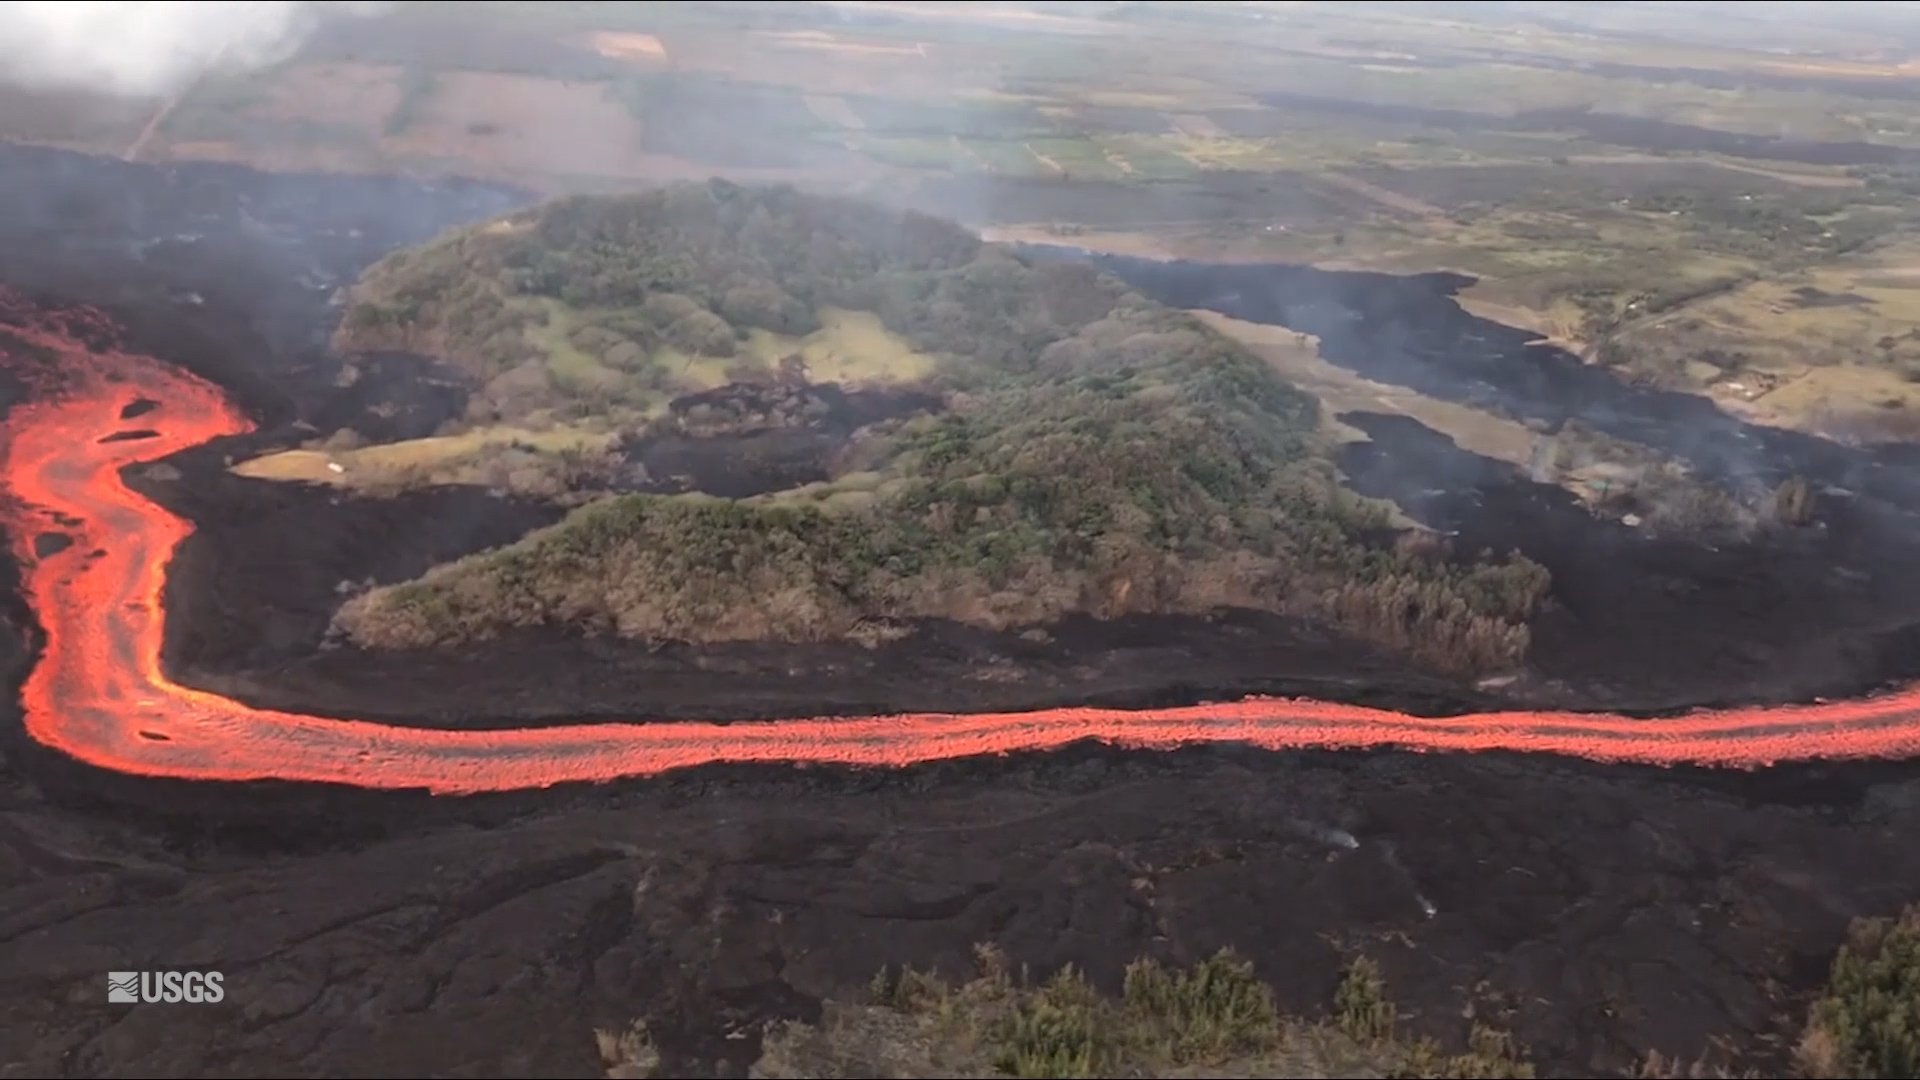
(1867, 1022)
(1214, 1018)
(1360, 1003)
(1054, 1033)
(1214, 1011)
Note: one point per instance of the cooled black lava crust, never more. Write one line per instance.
(1600, 912)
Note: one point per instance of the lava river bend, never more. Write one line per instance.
(99, 694)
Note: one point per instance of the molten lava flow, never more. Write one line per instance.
(99, 693)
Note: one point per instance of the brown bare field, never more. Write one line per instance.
(821, 40)
(815, 62)
(352, 94)
(523, 122)
(627, 46)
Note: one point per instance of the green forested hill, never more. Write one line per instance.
(1097, 453)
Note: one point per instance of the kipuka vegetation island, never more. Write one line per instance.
(983, 439)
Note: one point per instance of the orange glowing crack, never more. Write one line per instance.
(99, 694)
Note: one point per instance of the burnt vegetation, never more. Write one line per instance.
(1095, 451)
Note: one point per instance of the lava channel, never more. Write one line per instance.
(99, 694)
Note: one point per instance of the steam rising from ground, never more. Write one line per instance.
(150, 48)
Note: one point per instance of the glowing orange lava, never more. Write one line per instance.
(99, 694)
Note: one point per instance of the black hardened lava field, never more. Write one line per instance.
(1598, 913)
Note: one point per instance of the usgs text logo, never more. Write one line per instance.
(130, 987)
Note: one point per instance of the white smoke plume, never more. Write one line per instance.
(150, 48)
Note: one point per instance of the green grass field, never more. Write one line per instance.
(850, 347)
(439, 459)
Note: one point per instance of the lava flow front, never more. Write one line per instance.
(99, 694)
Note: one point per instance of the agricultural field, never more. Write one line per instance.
(1650, 204)
(1833, 348)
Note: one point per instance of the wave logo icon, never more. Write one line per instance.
(193, 987)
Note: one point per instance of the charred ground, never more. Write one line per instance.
(1603, 912)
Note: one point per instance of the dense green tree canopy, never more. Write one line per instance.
(1098, 453)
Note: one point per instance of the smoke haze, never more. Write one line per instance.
(150, 48)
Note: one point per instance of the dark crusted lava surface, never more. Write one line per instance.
(1597, 912)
